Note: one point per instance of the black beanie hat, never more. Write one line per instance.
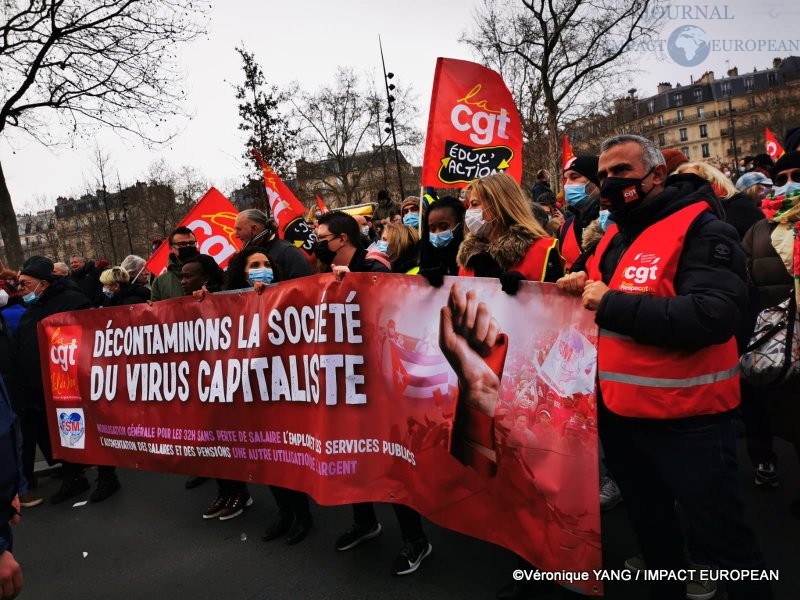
(586, 165)
(792, 139)
(39, 267)
(790, 160)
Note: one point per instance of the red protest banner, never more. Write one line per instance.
(352, 391)
(211, 220)
(774, 148)
(474, 128)
(287, 210)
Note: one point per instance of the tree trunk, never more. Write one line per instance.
(8, 226)
(553, 149)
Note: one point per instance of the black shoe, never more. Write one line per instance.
(236, 505)
(70, 488)
(194, 482)
(356, 535)
(299, 530)
(105, 489)
(280, 526)
(411, 557)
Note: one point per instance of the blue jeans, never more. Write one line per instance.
(691, 461)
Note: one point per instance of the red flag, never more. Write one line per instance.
(474, 128)
(287, 210)
(774, 149)
(211, 220)
(566, 153)
(322, 206)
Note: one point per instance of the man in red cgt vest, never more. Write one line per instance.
(668, 284)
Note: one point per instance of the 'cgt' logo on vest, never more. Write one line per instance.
(637, 277)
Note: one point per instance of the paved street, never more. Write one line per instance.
(150, 542)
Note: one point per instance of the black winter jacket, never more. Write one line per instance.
(767, 271)
(57, 298)
(129, 294)
(710, 283)
(741, 213)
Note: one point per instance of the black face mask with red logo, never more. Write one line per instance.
(620, 195)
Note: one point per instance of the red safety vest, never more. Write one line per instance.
(570, 245)
(533, 265)
(639, 380)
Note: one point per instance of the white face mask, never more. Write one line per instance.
(3, 298)
(476, 224)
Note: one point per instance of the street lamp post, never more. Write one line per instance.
(390, 119)
(733, 133)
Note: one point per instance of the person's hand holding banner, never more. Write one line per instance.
(471, 342)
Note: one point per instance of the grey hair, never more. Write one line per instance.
(651, 155)
(256, 216)
(61, 268)
(132, 263)
(79, 257)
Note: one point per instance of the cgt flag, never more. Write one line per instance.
(474, 129)
(774, 149)
(211, 220)
(287, 210)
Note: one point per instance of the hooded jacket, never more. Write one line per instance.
(710, 283)
(506, 253)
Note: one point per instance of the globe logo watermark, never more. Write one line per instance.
(689, 45)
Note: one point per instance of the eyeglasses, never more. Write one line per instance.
(184, 244)
(327, 238)
(780, 180)
(25, 283)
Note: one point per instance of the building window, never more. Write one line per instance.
(706, 152)
(701, 112)
(726, 88)
(685, 151)
(703, 131)
(698, 94)
(684, 134)
(680, 116)
(651, 107)
(751, 102)
(749, 85)
(661, 140)
(677, 99)
(661, 120)
(772, 78)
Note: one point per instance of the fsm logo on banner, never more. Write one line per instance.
(72, 427)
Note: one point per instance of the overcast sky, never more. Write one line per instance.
(305, 40)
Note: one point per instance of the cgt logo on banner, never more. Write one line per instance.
(72, 427)
(63, 364)
(474, 128)
(212, 222)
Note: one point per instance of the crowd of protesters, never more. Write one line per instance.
(728, 242)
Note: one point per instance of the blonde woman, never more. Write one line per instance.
(738, 208)
(505, 240)
(401, 244)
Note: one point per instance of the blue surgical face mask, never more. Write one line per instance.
(791, 187)
(411, 219)
(440, 240)
(605, 219)
(575, 194)
(263, 274)
(31, 296)
(108, 293)
(383, 246)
